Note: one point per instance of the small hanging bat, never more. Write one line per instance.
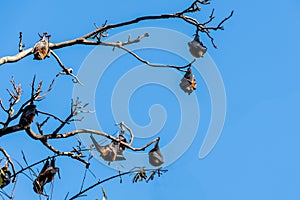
(188, 82)
(155, 156)
(41, 49)
(46, 176)
(27, 116)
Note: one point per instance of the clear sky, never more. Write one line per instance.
(256, 156)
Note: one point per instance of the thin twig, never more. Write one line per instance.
(2, 106)
(138, 39)
(20, 42)
(13, 191)
(122, 126)
(155, 65)
(5, 194)
(84, 176)
(59, 62)
(211, 17)
(51, 115)
(110, 178)
(32, 89)
(40, 125)
(48, 90)
(61, 153)
(219, 26)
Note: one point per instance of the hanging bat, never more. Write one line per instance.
(45, 176)
(5, 176)
(155, 156)
(27, 116)
(188, 82)
(41, 49)
(109, 152)
(197, 49)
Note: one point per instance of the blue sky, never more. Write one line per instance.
(256, 156)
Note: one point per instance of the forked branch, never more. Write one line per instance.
(94, 37)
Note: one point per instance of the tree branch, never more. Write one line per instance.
(51, 136)
(83, 40)
(159, 171)
(17, 57)
(43, 140)
(10, 129)
(15, 98)
(123, 126)
(65, 71)
(155, 65)
(51, 115)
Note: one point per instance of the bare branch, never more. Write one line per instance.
(40, 125)
(138, 39)
(48, 90)
(36, 92)
(43, 140)
(59, 62)
(102, 34)
(15, 94)
(17, 57)
(115, 44)
(13, 191)
(123, 126)
(10, 129)
(211, 17)
(75, 110)
(65, 71)
(122, 44)
(2, 106)
(21, 45)
(32, 88)
(46, 137)
(195, 7)
(83, 179)
(212, 40)
(219, 26)
(69, 154)
(99, 31)
(5, 194)
(113, 177)
(155, 65)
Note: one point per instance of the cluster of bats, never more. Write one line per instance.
(114, 151)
